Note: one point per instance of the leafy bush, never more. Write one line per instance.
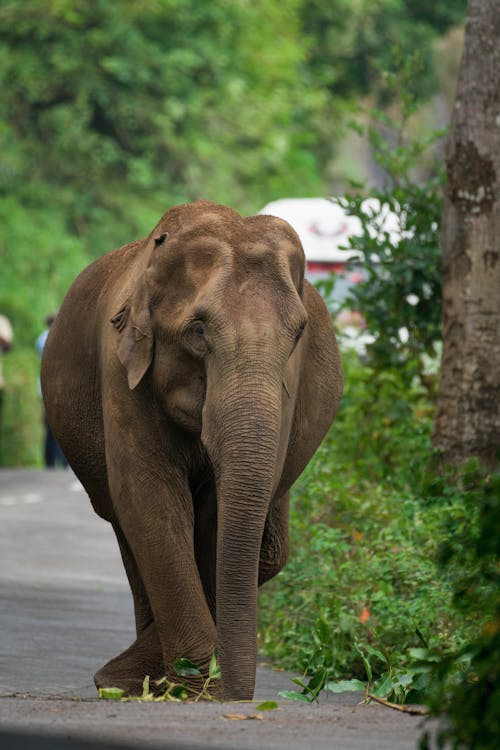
(400, 299)
(470, 698)
(21, 427)
(367, 520)
(40, 259)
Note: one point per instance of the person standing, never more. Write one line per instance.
(52, 452)
(6, 339)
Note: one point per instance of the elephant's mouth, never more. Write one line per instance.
(184, 404)
(189, 420)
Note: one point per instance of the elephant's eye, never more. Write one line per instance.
(195, 339)
(300, 330)
(298, 334)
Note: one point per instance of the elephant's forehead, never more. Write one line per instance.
(235, 249)
(222, 249)
(230, 227)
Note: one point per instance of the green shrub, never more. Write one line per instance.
(21, 428)
(398, 246)
(469, 698)
(367, 520)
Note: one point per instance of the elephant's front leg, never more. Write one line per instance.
(155, 512)
(275, 540)
(128, 670)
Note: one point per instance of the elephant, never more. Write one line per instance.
(189, 378)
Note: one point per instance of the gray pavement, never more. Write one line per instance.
(65, 609)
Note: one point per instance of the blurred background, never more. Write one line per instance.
(111, 111)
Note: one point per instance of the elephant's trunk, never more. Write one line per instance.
(241, 432)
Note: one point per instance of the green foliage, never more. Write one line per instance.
(39, 262)
(413, 554)
(472, 702)
(393, 586)
(400, 299)
(267, 706)
(355, 40)
(170, 98)
(21, 426)
(364, 583)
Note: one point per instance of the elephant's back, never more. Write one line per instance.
(70, 372)
(74, 335)
(97, 280)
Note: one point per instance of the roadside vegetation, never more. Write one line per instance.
(372, 525)
(393, 581)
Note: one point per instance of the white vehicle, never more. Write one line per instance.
(324, 227)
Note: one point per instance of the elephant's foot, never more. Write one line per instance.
(144, 657)
(128, 670)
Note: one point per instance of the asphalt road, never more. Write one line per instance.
(65, 609)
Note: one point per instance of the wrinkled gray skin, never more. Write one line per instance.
(189, 378)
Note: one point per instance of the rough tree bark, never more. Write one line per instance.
(468, 410)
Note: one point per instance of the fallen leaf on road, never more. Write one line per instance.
(111, 693)
(242, 717)
(267, 706)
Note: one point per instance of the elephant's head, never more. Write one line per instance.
(217, 319)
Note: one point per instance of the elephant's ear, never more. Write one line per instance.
(135, 347)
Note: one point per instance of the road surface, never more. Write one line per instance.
(65, 609)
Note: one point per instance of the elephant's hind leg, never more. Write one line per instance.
(142, 607)
(144, 656)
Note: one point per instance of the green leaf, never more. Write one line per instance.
(111, 693)
(186, 668)
(374, 652)
(267, 706)
(317, 681)
(292, 695)
(298, 681)
(423, 654)
(179, 692)
(344, 686)
(366, 663)
(404, 679)
(383, 686)
(214, 669)
(323, 628)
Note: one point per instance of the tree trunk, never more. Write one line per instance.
(468, 410)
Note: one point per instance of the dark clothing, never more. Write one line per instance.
(52, 452)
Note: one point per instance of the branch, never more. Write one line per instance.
(415, 710)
